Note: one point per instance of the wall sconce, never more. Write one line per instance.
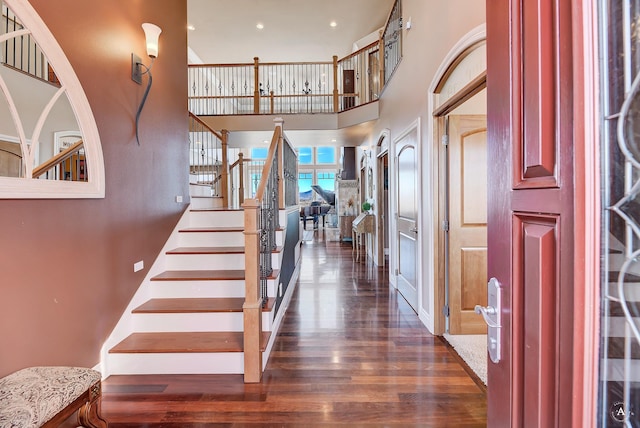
(152, 33)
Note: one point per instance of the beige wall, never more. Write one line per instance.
(436, 27)
(67, 265)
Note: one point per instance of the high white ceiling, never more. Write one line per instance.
(294, 31)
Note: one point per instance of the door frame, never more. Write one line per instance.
(437, 321)
(587, 302)
(382, 209)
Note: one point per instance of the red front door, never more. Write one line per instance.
(530, 200)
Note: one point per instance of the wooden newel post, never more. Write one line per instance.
(224, 180)
(335, 84)
(252, 308)
(256, 85)
(241, 179)
(271, 101)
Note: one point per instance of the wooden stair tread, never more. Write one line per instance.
(213, 229)
(216, 209)
(200, 275)
(189, 342)
(191, 305)
(205, 275)
(207, 250)
(196, 305)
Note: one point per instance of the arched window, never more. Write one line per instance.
(46, 117)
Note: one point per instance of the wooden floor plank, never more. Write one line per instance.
(350, 351)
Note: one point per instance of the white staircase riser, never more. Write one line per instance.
(205, 261)
(198, 189)
(268, 319)
(631, 291)
(188, 322)
(211, 239)
(219, 239)
(216, 218)
(195, 289)
(618, 326)
(616, 261)
(205, 202)
(177, 363)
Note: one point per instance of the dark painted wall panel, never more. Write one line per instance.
(67, 265)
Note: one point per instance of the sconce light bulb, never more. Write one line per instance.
(152, 33)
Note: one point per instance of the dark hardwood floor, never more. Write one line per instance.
(350, 351)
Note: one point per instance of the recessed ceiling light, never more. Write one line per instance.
(266, 141)
(333, 24)
(190, 27)
(333, 140)
(259, 26)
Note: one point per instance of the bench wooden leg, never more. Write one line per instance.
(89, 414)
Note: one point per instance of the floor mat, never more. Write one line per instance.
(472, 348)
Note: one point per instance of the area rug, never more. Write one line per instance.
(472, 348)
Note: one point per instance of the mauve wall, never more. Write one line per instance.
(66, 266)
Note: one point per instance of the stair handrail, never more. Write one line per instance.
(239, 163)
(223, 176)
(261, 220)
(58, 159)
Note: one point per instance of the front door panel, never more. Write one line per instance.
(530, 223)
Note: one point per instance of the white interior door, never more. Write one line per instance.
(407, 217)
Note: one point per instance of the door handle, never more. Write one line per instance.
(491, 315)
(485, 311)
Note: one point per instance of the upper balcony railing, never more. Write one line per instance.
(299, 87)
(283, 88)
(22, 52)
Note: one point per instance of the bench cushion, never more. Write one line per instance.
(32, 396)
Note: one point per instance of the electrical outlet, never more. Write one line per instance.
(179, 198)
(138, 266)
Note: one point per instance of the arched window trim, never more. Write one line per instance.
(28, 188)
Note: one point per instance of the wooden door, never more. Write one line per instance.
(383, 209)
(348, 87)
(374, 74)
(530, 200)
(407, 217)
(467, 222)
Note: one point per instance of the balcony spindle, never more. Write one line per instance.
(335, 84)
(256, 84)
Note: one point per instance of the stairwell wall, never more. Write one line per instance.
(67, 265)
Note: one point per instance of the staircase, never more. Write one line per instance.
(187, 317)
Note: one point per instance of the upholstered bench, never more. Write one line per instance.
(47, 396)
